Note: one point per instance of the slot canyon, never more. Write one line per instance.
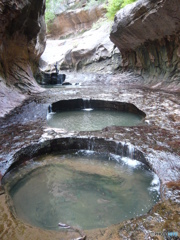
(82, 62)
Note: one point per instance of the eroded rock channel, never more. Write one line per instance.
(25, 134)
(105, 73)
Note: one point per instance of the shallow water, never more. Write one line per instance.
(83, 189)
(90, 120)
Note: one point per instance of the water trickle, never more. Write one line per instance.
(91, 143)
(86, 104)
(130, 150)
(83, 189)
(124, 149)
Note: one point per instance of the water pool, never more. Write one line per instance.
(83, 189)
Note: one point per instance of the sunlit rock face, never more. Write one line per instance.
(90, 52)
(147, 34)
(75, 21)
(22, 41)
(99, 48)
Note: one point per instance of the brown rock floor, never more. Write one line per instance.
(158, 138)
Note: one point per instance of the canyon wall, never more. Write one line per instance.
(22, 41)
(147, 33)
(75, 21)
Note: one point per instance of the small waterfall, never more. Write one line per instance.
(61, 78)
(87, 105)
(125, 149)
(91, 143)
(130, 151)
(119, 148)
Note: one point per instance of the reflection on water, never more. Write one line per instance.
(83, 189)
(91, 120)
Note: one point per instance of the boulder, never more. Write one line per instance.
(147, 34)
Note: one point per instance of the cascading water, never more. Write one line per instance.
(87, 105)
(130, 151)
(91, 144)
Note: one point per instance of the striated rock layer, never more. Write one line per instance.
(75, 21)
(22, 41)
(148, 35)
(90, 52)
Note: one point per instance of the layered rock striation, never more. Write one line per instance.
(75, 21)
(22, 41)
(90, 52)
(148, 35)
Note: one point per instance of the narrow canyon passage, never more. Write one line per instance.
(67, 58)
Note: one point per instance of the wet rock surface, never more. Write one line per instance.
(157, 138)
(147, 34)
(22, 41)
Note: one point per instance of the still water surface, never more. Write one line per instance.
(91, 120)
(84, 189)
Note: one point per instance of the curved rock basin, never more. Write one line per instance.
(90, 115)
(84, 189)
